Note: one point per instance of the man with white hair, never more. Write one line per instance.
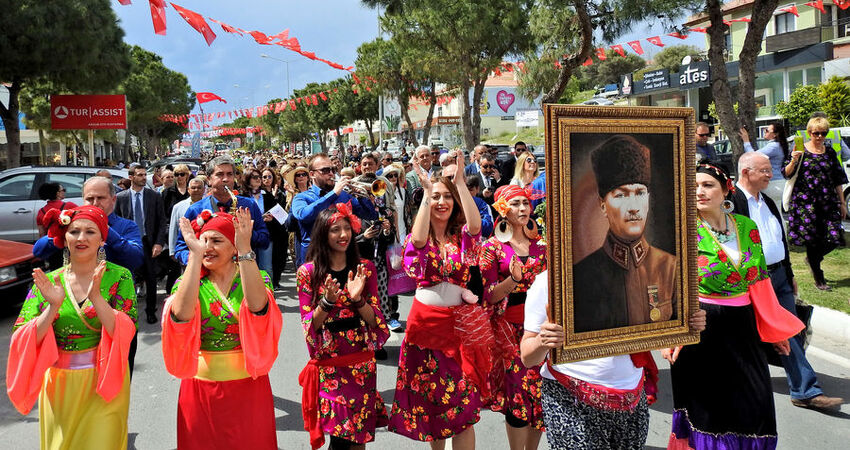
(422, 158)
(754, 174)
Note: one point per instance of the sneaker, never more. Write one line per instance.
(395, 325)
(818, 402)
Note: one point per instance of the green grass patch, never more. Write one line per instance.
(835, 267)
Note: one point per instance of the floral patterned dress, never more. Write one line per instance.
(517, 391)
(350, 406)
(433, 398)
(722, 390)
(814, 215)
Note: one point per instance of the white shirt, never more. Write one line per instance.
(769, 227)
(616, 372)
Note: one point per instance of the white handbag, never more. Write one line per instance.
(789, 185)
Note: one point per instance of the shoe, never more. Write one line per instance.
(818, 402)
(152, 318)
(395, 325)
(381, 355)
(823, 286)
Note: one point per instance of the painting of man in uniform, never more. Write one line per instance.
(624, 230)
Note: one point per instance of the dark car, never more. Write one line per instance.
(16, 265)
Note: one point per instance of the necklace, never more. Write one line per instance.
(722, 236)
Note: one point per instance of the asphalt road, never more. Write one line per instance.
(153, 407)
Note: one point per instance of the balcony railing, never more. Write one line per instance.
(793, 39)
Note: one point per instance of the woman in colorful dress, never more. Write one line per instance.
(817, 204)
(722, 393)
(220, 331)
(509, 263)
(72, 339)
(445, 355)
(344, 327)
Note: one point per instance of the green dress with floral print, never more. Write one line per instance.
(220, 313)
(77, 326)
(718, 274)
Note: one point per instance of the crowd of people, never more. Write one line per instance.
(361, 228)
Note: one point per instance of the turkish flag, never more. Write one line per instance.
(197, 22)
(655, 40)
(204, 97)
(698, 29)
(817, 5)
(619, 49)
(843, 4)
(600, 54)
(742, 19)
(635, 45)
(226, 27)
(158, 16)
(678, 35)
(282, 36)
(791, 9)
(323, 96)
(310, 55)
(315, 100)
(124, 2)
(587, 62)
(260, 37)
(292, 105)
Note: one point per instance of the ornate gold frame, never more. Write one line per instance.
(561, 120)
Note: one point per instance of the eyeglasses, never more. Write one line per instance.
(520, 149)
(487, 166)
(180, 174)
(762, 171)
(267, 177)
(255, 177)
(435, 153)
(390, 176)
(819, 133)
(326, 170)
(301, 174)
(532, 161)
(703, 134)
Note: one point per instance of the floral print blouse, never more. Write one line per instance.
(220, 313)
(77, 326)
(495, 262)
(718, 275)
(428, 268)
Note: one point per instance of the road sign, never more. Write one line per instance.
(88, 112)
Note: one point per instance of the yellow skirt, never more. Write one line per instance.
(72, 416)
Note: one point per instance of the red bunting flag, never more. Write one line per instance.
(283, 35)
(635, 45)
(260, 37)
(791, 9)
(226, 27)
(204, 97)
(336, 90)
(197, 22)
(817, 5)
(678, 35)
(742, 19)
(587, 62)
(619, 49)
(655, 40)
(310, 55)
(158, 16)
(315, 100)
(323, 96)
(124, 2)
(292, 105)
(698, 30)
(298, 100)
(842, 4)
(600, 54)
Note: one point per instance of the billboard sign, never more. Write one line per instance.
(88, 112)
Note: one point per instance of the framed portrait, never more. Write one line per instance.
(622, 228)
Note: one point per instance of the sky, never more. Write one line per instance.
(232, 66)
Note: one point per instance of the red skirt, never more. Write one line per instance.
(226, 414)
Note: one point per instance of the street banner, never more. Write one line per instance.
(88, 112)
(196, 145)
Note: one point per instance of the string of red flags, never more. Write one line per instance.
(199, 23)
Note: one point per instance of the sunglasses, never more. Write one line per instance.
(703, 134)
(326, 170)
(487, 166)
(435, 153)
(819, 133)
(392, 175)
(267, 177)
(255, 177)
(529, 160)
(301, 174)
(180, 174)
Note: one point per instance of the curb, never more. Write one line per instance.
(834, 324)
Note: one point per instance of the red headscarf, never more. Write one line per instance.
(508, 192)
(58, 221)
(344, 211)
(219, 221)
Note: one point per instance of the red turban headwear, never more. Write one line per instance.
(58, 221)
(218, 221)
(508, 192)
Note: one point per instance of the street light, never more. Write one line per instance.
(263, 55)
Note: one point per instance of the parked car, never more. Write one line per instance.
(598, 101)
(19, 202)
(16, 265)
(539, 152)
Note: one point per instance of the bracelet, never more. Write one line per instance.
(326, 305)
(360, 303)
(515, 280)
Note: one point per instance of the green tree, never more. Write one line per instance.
(803, 102)
(153, 90)
(459, 42)
(610, 70)
(362, 105)
(75, 44)
(671, 57)
(836, 101)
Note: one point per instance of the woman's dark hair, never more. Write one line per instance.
(49, 191)
(716, 172)
(456, 220)
(275, 178)
(781, 136)
(246, 178)
(319, 252)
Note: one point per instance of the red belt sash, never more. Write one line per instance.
(462, 333)
(598, 396)
(309, 381)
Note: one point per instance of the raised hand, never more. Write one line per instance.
(517, 269)
(193, 243)
(331, 289)
(52, 292)
(341, 184)
(424, 180)
(460, 175)
(356, 283)
(244, 226)
(94, 287)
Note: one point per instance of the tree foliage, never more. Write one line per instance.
(803, 102)
(74, 44)
(610, 70)
(832, 97)
(671, 57)
(836, 101)
(362, 105)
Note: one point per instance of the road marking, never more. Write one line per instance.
(829, 356)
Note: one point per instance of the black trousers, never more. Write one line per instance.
(815, 253)
(280, 248)
(147, 274)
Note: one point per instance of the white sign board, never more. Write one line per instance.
(526, 118)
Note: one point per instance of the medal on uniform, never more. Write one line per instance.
(654, 312)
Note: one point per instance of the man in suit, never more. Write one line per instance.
(509, 167)
(627, 281)
(491, 177)
(754, 174)
(144, 206)
(474, 168)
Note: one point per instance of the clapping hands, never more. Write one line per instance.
(52, 292)
(356, 283)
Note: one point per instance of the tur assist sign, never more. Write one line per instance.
(88, 112)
